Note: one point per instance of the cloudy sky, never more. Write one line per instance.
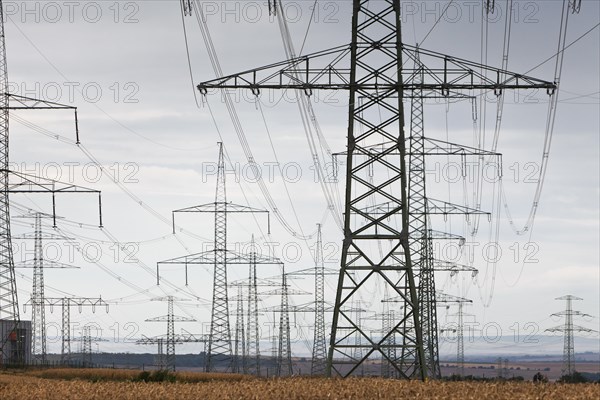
(125, 66)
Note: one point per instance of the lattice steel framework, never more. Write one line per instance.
(171, 339)
(37, 299)
(567, 329)
(239, 355)
(378, 82)
(86, 347)
(421, 252)
(9, 304)
(24, 183)
(318, 364)
(219, 345)
(66, 303)
(38, 313)
(253, 329)
(284, 354)
(443, 298)
(65, 345)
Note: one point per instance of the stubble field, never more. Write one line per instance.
(115, 384)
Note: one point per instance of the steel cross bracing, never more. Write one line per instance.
(66, 303)
(253, 330)
(161, 360)
(219, 345)
(239, 355)
(318, 365)
(567, 329)
(284, 347)
(284, 354)
(38, 312)
(371, 68)
(9, 304)
(443, 298)
(9, 309)
(420, 248)
(37, 300)
(252, 355)
(210, 258)
(170, 319)
(86, 348)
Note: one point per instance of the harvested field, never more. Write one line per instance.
(28, 386)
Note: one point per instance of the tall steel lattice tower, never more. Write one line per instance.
(219, 344)
(318, 364)
(239, 355)
(568, 328)
(253, 330)
(38, 313)
(9, 304)
(373, 69)
(167, 359)
(420, 250)
(13, 351)
(86, 347)
(284, 354)
(443, 298)
(66, 303)
(38, 300)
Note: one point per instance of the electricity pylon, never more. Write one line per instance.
(443, 298)
(284, 355)
(239, 355)
(219, 345)
(170, 339)
(284, 346)
(86, 350)
(373, 69)
(37, 300)
(568, 328)
(161, 360)
(252, 342)
(23, 183)
(66, 303)
(318, 365)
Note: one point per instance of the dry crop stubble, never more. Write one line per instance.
(23, 386)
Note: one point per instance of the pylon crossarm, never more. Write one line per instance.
(441, 297)
(26, 183)
(296, 73)
(210, 208)
(311, 272)
(445, 208)
(28, 103)
(208, 257)
(575, 328)
(212, 257)
(441, 265)
(439, 235)
(47, 264)
(447, 74)
(225, 207)
(442, 148)
(259, 282)
(175, 318)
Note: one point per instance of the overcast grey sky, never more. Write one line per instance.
(124, 65)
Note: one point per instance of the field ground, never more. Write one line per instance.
(117, 384)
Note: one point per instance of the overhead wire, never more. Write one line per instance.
(231, 109)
